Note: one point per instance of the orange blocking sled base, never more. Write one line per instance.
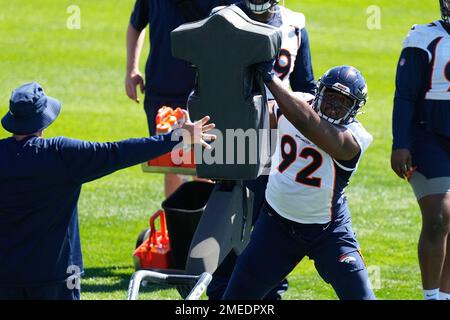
(154, 252)
(164, 164)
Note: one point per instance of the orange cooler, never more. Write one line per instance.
(166, 121)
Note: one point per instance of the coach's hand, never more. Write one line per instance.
(132, 80)
(401, 163)
(195, 132)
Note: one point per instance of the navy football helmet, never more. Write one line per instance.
(341, 93)
(260, 6)
(445, 10)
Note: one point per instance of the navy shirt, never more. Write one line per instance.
(413, 80)
(167, 78)
(40, 183)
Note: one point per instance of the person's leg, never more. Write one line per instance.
(347, 274)
(269, 257)
(171, 183)
(12, 293)
(445, 277)
(258, 187)
(433, 239)
(151, 110)
(58, 291)
(222, 275)
(277, 292)
(431, 185)
(339, 262)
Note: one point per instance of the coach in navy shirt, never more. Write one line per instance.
(168, 81)
(40, 183)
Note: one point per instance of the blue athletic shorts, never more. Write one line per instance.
(431, 154)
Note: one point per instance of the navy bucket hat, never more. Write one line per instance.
(30, 110)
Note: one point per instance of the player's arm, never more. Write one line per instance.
(410, 88)
(135, 42)
(272, 115)
(337, 142)
(302, 76)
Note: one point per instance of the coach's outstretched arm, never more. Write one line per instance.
(337, 142)
(87, 161)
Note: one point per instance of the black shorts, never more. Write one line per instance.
(151, 108)
(431, 154)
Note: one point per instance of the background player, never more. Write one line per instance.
(306, 211)
(168, 80)
(421, 132)
(293, 65)
(294, 68)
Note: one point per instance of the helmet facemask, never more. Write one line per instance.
(445, 11)
(336, 105)
(262, 6)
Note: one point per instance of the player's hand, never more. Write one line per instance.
(195, 132)
(401, 163)
(265, 70)
(132, 80)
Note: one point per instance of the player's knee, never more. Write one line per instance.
(348, 276)
(435, 215)
(217, 287)
(438, 225)
(355, 286)
(249, 280)
(245, 285)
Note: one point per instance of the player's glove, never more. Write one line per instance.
(264, 69)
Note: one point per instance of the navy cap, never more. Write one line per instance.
(30, 110)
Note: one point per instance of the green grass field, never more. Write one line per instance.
(85, 70)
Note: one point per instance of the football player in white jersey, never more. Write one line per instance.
(421, 143)
(306, 211)
(294, 67)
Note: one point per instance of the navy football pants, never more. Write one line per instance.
(222, 275)
(278, 245)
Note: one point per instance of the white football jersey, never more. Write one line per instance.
(305, 182)
(434, 40)
(291, 25)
